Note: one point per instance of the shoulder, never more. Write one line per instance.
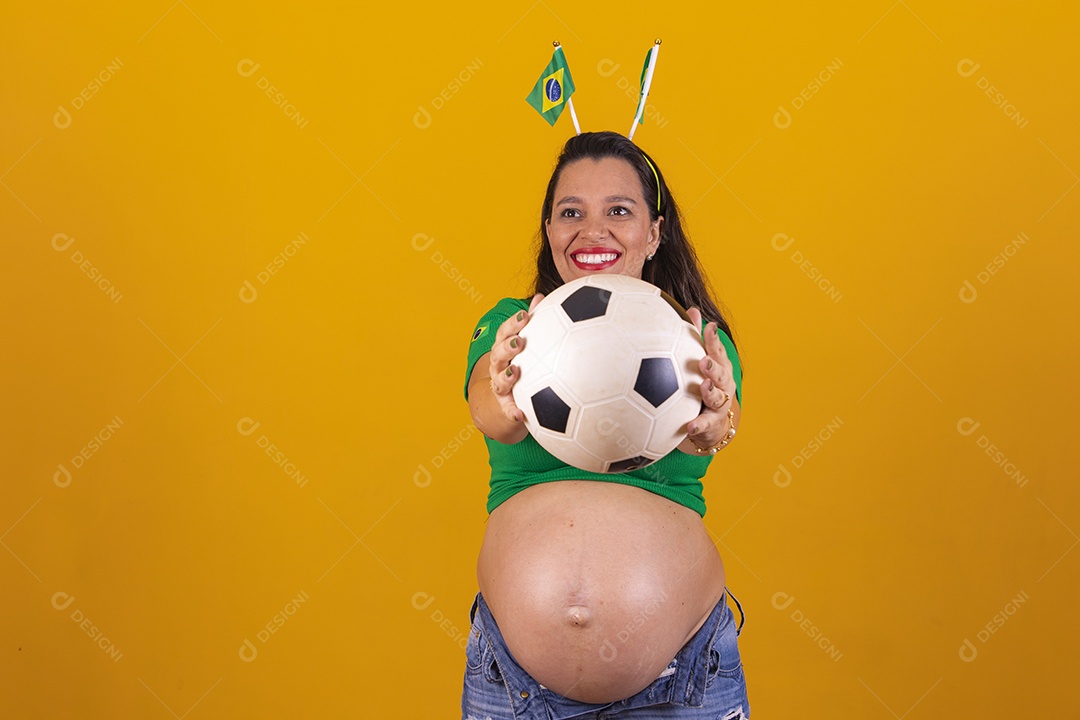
(509, 306)
(497, 314)
(483, 335)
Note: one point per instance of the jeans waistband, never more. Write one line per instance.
(742, 615)
(683, 683)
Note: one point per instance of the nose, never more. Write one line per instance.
(595, 228)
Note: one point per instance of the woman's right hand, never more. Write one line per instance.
(501, 370)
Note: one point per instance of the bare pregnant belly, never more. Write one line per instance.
(595, 585)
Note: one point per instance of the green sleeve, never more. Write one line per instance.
(736, 366)
(483, 337)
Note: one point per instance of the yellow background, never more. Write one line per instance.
(399, 149)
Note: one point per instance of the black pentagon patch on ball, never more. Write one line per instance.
(634, 463)
(656, 380)
(586, 303)
(551, 412)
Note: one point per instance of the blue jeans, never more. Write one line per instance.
(704, 680)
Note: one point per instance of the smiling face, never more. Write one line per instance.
(599, 222)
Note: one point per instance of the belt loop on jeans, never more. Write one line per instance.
(742, 615)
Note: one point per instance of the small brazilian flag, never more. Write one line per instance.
(641, 87)
(553, 89)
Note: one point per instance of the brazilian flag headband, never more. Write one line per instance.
(551, 93)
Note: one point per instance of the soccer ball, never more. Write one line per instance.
(609, 374)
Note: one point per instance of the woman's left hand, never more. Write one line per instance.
(713, 425)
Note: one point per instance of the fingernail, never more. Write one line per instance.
(521, 316)
(692, 430)
(709, 365)
(509, 372)
(513, 343)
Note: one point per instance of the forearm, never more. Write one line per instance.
(488, 415)
(491, 399)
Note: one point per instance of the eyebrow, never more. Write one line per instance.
(609, 199)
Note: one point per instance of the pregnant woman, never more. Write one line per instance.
(602, 595)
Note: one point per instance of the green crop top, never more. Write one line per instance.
(676, 476)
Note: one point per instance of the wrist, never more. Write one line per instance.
(726, 438)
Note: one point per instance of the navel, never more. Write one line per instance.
(578, 616)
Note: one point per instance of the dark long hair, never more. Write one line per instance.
(675, 268)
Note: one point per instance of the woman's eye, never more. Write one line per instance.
(620, 210)
(570, 212)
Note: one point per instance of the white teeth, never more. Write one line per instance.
(595, 259)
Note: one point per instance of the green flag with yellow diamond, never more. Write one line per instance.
(553, 89)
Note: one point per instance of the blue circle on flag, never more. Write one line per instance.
(553, 90)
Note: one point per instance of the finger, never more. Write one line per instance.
(512, 325)
(716, 364)
(712, 359)
(505, 396)
(501, 356)
(713, 346)
(717, 370)
(508, 343)
(695, 317)
(714, 396)
(536, 299)
(719, 350)
(502, 382)
(699, 429)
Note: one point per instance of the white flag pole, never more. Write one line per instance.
(569, 100)
(573, 115)
(645, 87)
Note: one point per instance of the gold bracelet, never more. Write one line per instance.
(728, 437)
